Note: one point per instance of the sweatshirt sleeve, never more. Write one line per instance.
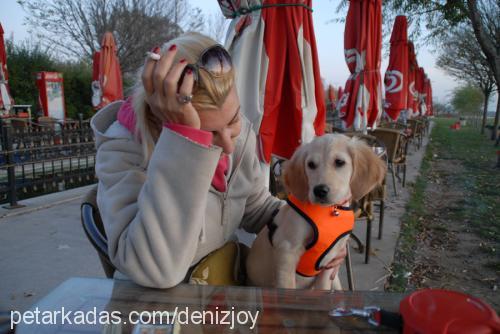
(153, 217)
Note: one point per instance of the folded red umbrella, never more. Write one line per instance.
(428, 98)
(396, 75)
(6, 100)
(419, 87)
(412, 99)
(110, 77)
(274, 51)
(361, 105)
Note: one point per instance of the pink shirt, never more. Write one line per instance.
(126, 117)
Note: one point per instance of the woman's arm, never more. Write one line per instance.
(153, 217)
(260, 205)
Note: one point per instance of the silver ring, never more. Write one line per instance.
(152, 55)
(184, 99)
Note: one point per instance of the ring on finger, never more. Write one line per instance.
(152, 55)
(184, 99)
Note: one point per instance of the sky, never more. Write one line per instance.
(329, 40)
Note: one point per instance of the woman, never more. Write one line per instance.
(177, 168)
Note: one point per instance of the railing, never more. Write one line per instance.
(45, 157)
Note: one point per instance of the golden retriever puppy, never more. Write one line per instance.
(322, 178)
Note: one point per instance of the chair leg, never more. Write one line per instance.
(368, 239)
(361, 247)
(404, 175)
(394, 180)
(350, 278)
(381, 220)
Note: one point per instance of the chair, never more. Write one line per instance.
(396, 145)
(365, 209)
(94, 229)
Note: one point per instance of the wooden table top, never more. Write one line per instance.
(120, 302)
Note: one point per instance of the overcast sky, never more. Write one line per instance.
(329, 39)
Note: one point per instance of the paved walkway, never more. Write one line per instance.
(43, 244)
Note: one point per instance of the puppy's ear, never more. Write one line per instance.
(294, 175)
(368, 169)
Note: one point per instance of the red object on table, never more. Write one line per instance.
(443, 311)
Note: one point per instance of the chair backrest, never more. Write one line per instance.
(391, 139)
(94, 229)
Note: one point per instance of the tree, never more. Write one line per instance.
(467, 100)
(439, 16)
(462, 58)
(28, 58)
(74, 29)
(217, 26)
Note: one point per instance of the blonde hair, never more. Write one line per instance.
(209, 92)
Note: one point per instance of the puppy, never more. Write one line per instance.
(322, 178)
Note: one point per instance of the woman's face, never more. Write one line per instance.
(224, 123)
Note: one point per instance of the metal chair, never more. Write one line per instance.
(365, 205)
(396, 145)
(94, 229)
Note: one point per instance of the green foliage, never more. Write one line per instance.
(25, 60)
(467, 100)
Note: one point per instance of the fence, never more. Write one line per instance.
(44, 157)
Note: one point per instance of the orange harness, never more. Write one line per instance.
(329, 224)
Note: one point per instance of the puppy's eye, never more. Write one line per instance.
(339, 163)
(311, 165)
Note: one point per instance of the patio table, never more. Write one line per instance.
(279, 310)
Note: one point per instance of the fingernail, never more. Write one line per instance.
(189, 71)
(182, 61)
(156, 49)
(172, 48)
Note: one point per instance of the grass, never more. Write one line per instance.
(478, 180)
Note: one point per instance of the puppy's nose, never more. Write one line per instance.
(320, 191)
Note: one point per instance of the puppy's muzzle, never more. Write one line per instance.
(321, 191)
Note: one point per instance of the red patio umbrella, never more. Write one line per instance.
(110, 77)
(274, 51)
(419, 86)
(6, 100)
(428, 98)
(361, 105)
(412, 99)
(396, 75)
(332, 99)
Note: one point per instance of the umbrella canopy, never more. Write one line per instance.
(421, 90)
(110, 77)
(274, 52)
(6, 100)
(428, 98)
(332, 98)
(396, 75)
(412, 98)
(361, 104)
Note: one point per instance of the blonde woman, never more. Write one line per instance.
(176, 164)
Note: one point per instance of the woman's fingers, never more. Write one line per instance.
(186, 86)
(147, 71)
(161, 69)
(171, 82)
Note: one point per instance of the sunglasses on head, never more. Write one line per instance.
(215, 60)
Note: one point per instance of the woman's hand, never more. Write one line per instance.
(163, 93)
(336, 262)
